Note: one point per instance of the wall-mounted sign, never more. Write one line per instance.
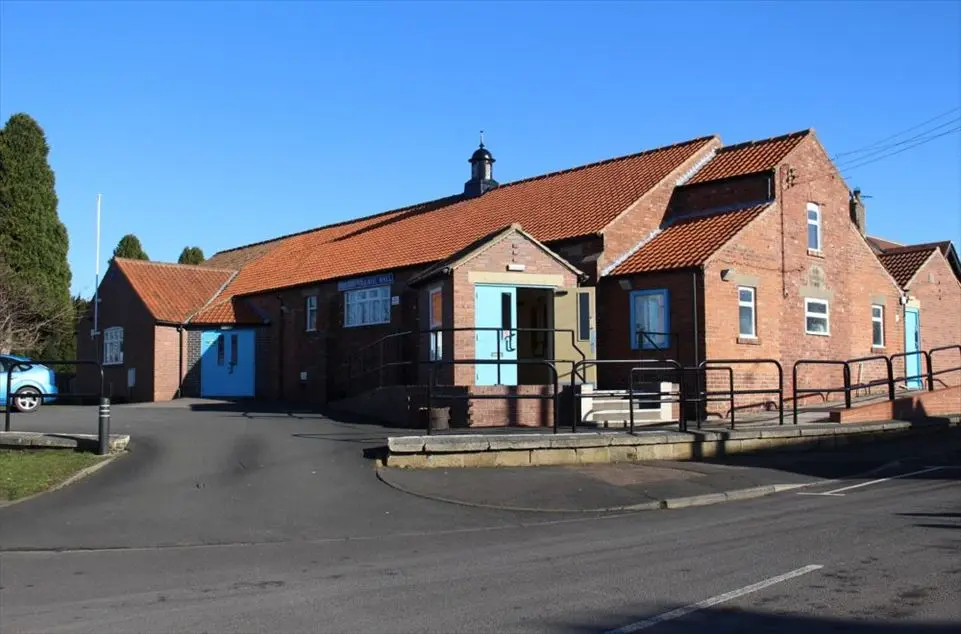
(385, 279)
(395, 300)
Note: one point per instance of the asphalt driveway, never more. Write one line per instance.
(216, 475)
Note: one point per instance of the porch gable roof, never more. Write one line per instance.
(480, 246)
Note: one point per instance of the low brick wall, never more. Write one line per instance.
(917, 406)
(517, 450)
(512, 412)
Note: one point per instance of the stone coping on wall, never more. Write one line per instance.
(39, 440)
(481, 450)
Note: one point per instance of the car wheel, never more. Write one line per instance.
(27, 399)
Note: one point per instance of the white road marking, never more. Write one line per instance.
(707, 603)
(839, 492)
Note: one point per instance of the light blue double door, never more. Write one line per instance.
(495, 317)
(912, 344)
(227, 363)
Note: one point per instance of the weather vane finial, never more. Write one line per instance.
(482, 138)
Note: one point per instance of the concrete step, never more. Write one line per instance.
(609, 416)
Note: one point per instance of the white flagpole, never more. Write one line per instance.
(96, 292)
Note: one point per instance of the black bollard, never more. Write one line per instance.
(104, 427)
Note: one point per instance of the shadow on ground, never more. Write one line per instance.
(721, 620)
(938, 447)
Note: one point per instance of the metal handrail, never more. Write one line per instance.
(845, 389)
(432, 377)
(889, 381)
(927, 359)
(660, 394)
(931, 352)
(712, 397)
(586, 363)
(780, 382)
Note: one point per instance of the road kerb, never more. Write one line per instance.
(669, 503)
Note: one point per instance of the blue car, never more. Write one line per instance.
(31, 385)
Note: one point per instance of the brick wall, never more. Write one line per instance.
(513, 249)
(191, 384)
(119, 306)
(645, 215)
(846, 273)
(727, 193)
(938, 292)
(583, 254)
(285, 349)
(614, 322)
(499, 412)
(166, 367)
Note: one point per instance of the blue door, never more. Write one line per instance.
(227, 363)
(912, 343)
(495, 307)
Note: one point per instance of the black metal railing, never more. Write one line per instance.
(468, 395)
(795, 390)
(668, 365)
(369, 367)
(923, 375)
(10, 397)
(779, 390)
(706, 396)
(649, 340)
(887, 381)
(673, 396)
(932, 373)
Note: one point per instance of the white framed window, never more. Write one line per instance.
(367, 306)
(877, 325)
(310, 313)
(817, 319)
(746, 313)
(113, 346)
(814, 227)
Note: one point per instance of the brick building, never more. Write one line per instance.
(745, 251)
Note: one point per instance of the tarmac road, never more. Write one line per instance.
(221, 521)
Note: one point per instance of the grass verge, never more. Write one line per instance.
(24, 472)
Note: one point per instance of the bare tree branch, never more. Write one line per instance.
(25, 322)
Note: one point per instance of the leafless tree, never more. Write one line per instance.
(24, 320)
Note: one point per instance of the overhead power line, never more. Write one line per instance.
(923, 141)
(874, 145)
(889, 146)
(891, 151)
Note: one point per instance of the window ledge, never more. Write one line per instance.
(817, 334)
(112, 365)
(816, 253)
(873, 347)
(750, 341)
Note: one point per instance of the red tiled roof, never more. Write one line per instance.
(880, 244)
(903, 262)
(748, 158)
(172, 292)
(567, 204)
(688, 242)
(229, 311)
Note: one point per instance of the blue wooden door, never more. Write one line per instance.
(495, 307)
(912, 343)
(227, 363)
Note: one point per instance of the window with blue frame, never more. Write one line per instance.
(650, 319)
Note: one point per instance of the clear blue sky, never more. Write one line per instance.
(221, 123)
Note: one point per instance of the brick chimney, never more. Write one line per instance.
(856, 206)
